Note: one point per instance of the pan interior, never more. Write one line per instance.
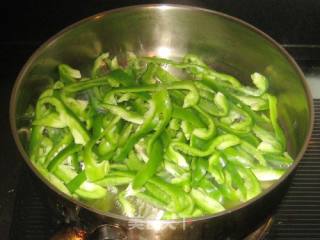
(171, 32)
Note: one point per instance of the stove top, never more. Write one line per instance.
(297, 217)
(23, 214)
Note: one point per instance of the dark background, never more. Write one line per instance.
(288, 21)
(24, 25)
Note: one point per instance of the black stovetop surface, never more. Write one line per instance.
(26, 24)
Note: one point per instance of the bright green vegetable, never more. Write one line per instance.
(161, 145)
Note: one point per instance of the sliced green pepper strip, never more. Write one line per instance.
(99, 63)
(227, 92)
(37, 131)
(76, 182)
(205, 202)
(267, 173)
(65, 141)
(237, 119)
(219, 107)
(127, 208)
(124, 113)
(260, 82)
(209, 188)
(252, 150)
(249, 137)
(155, 159)
(133, 162)
(176, 194)
(215, 167)
(175, 156)
(158, 193)
(187, 211)
(235, 179)
(163, 113)
(87, 190)
(278, 161)
(125, 134)
(79, 133)
(113, 179)
(68, 74)
(154, 201)
(269, 142)
(143, 130)
(238, 156)
(194, 65)
(199, 169)
(93, 169)
(61, 156)
(219, 143)
(50, 120)
(190, 99)
(250, 181)
(155, 147)
(205, 133)
(164, 76)
(274, 120)
(35, 139)
(187, 114)
(87, 84)
(148, 75)
(255, 103)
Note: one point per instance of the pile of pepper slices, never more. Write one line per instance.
(182, 146)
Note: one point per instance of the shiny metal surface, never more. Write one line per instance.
(224, 42)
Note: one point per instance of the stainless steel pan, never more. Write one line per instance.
(227, 43)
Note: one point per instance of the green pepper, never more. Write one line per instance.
(209, 188)
(219, 107)
(219, 143)
(251, 182)
(215, 167)
(157, 193)
(86, 190)
(186, 144)
(177, 195)
(205, 133)
(61, 156)
(187, 114)
(143, 130)
(127, 115)
(94, 170)
(68, 74)
(234, 180)
(35, 139)
(253, 151)
(155, 148)
(267, 173)
(278, 161)
(62, 144)
(190, 99)
(148, 75)
(238, 156)
(274, 120)
(116, 178)
(199, 170)
(269, 142)
(76, 182)
(155, 159)
(205, 202)
(127, 208)
(79, 133)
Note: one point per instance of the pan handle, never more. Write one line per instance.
(102, 232)
(108, 232)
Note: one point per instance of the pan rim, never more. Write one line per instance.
(52, 39)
